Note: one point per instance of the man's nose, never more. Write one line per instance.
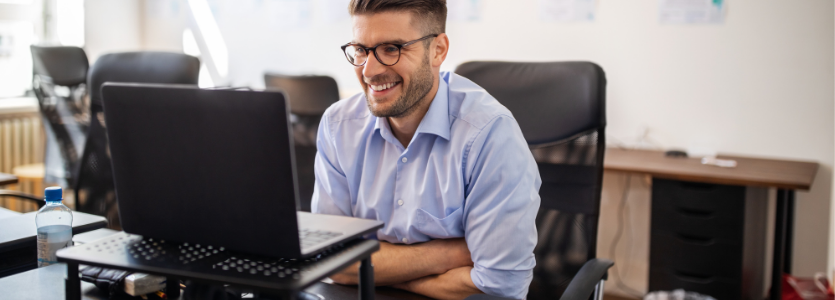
(372, 67)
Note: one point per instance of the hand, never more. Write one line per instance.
(454, 284)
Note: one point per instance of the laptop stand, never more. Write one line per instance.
(283, 278)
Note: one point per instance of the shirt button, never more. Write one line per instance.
(404, 159)
(400, 202)
(405, 240)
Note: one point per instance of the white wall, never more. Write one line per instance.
(761, 84)
(112, 26)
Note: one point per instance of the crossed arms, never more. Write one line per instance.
(439, 268)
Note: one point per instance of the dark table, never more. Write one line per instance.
(18, 234)
(48, 284)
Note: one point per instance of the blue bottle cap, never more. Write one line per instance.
(53, 193)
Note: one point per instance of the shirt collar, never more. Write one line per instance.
(436, 120)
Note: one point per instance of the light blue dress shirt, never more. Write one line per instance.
(467, 172)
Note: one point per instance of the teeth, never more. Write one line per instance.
(382, 86)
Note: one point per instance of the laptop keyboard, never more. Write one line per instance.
(220, 259)
(309, 238)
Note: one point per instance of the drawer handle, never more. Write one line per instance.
(694, 277)
(696, 213)
(702, 241)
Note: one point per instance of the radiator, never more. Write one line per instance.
(21, 143)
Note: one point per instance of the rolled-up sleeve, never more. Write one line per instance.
(501, 203)
(331, 194)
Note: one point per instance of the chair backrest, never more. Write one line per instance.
(561, 109)
(94, 189)
(62, 65)
(59, 77)
(309, 97)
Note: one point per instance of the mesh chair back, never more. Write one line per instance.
(59, 82)
(94, 188)
(309, 97)
(560, 107)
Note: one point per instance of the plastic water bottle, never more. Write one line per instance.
(54, 223)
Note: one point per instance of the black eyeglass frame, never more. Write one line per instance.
(374, 50)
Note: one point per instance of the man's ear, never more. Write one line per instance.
(439, 50)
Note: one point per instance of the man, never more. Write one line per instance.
(432, 155)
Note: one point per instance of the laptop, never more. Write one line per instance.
(213, 167)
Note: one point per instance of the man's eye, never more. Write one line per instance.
(389, 49)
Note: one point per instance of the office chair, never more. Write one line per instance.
(94, 191)
(309, 97)
(59, 77)
(561, 109)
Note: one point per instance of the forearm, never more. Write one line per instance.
(400, 263)
(454, 284)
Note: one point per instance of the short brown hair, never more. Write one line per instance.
(430, 13)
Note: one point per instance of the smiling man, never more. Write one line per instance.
(432, 155)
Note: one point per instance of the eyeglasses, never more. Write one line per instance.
(358, 55)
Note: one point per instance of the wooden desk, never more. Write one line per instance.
(6, 179)
(787, 176)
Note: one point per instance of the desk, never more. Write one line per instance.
(786, 176)
(6, 179)
(47, 284)
(17, 239)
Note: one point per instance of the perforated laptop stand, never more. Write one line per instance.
(282, 278)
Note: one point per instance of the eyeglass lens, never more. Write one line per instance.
(387, 54)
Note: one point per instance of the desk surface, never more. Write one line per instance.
(20, 231)
(7, 179)
(786, 174)
(48, 283)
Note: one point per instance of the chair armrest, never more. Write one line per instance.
(582, 286)
(16, 194)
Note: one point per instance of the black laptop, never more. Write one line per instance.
(213, 167)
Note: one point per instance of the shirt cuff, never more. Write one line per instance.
(503, 283)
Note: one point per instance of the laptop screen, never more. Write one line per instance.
(204, 166)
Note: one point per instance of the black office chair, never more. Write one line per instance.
(309, 97)
(561, 109)
(65, 113)
(59, 77)
(94, 191)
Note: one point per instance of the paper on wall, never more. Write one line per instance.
(289, 14)
(567, 10)
(464, 10)
(691, 11)
(334, 11)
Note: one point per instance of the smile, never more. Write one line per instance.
(383, 87)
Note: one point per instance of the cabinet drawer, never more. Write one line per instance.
(697, 209)
(699, 197)
(695, 255)
(664, 279)
(714, 225)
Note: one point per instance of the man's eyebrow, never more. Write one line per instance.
(395, 41)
